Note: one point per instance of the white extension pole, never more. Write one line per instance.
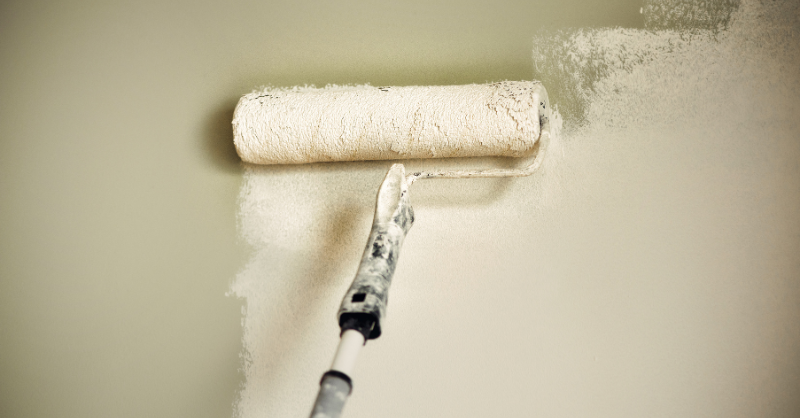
(349, 347)
(336, 385)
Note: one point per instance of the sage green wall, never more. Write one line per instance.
(119, 182)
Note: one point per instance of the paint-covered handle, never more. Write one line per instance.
(369, 292)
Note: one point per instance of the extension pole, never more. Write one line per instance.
(364, 304)
(336, 384)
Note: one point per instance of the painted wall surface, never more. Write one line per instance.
(649, 269)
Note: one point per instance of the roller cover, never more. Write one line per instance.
(351, 123)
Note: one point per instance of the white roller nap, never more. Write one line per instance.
(305, 125)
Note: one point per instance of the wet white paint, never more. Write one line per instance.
(649, 269)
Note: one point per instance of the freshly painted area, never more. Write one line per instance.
(649, 268)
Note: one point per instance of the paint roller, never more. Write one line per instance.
(353, 123)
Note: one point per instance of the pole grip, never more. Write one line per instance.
(369, 292)
(334, 388)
